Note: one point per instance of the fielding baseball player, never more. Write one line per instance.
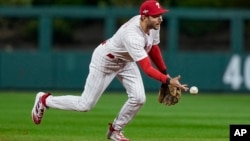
(135, 43)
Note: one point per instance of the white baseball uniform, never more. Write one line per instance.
(115, 57)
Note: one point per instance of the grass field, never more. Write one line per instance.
(203, 117)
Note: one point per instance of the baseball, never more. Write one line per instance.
(193, 90)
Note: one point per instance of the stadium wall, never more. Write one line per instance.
(49, 69)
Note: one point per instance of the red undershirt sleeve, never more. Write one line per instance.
(147, 67)
(156, 57)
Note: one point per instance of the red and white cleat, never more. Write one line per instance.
(115, 135)
(38, 108)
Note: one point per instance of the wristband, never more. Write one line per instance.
(168, 81)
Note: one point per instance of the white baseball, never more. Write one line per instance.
(193, 90)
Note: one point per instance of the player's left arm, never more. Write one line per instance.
(156, 57)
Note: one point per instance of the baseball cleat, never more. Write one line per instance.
(115, 135)
(38, 108)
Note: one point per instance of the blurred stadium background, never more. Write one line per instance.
(47, 44)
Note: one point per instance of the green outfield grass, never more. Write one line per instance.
(202, 117)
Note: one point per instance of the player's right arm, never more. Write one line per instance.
(135, 47)
(134, 43)
(147, 67)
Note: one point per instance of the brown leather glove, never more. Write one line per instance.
(169, 95)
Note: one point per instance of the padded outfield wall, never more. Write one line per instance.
(46, 68)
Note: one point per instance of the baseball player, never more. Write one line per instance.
(134, 44)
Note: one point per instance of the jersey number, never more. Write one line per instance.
(232, 75)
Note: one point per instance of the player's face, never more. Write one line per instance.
(154, 22)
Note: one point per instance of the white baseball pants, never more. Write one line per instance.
(102, 70)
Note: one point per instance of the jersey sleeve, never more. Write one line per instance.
(135, 44)
(147, 67)
(156, 56)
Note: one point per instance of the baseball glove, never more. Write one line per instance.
(169, 95)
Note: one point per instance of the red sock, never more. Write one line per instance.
(43, 99)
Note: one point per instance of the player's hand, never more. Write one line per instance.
(169, 76)
(175, 82)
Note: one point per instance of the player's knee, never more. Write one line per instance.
(85, 107)
(139, 100)
(142, 100)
